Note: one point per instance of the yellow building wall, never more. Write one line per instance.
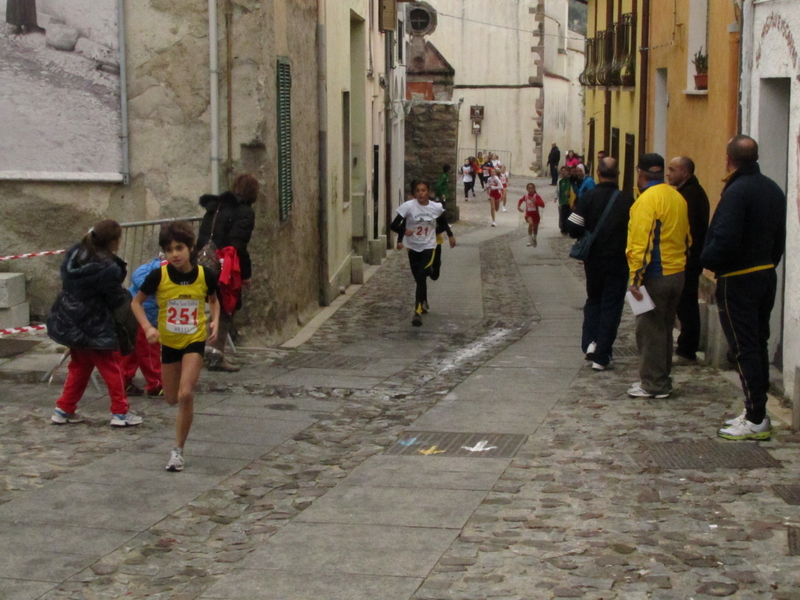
(698, 125)
(624, 101)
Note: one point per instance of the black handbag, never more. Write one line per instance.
(580, 249)
(207, 256)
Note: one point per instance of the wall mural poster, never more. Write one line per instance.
(60, 108)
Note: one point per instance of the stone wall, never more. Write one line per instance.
(431, 133)
(169, 122)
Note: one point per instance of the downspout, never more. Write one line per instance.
(746, 47)
(388, 107)
(214, 93)
(229, 88)
(123, 94)
(322, 101)
(643, 98)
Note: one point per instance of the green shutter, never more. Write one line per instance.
(285, 196)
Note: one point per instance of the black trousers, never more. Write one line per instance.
(689, 316)
(564, 211)
(421, 267)
(606, 284)
(469, 185)
(745, 303)
(554, 174)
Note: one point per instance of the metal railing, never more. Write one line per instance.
(139, 243)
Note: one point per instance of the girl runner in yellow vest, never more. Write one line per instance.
(181, 289)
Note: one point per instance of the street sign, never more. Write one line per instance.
(476, 112)
(476, 127)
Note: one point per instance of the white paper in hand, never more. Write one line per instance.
(640, 306)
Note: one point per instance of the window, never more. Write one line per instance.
(420, 19)
(285, 195)
(401, 40)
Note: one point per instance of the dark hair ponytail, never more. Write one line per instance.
(100, 237)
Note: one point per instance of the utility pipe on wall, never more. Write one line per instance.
(322, 102)
(123, 94)
(229, 87)
(214, 90)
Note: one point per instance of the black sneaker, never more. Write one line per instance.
(133, 390)
(417, 320)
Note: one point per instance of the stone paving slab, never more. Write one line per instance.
(358, 549)
(442, 508)
(315, 378)
(20, 589)
(247, 584)
(426, 472)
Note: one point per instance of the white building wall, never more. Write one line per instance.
(770, 49)
(489, 46)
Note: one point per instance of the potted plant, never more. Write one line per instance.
(700, 62)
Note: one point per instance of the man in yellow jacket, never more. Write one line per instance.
(658, 245)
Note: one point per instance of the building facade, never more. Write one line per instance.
(770, 112)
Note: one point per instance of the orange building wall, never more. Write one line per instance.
(698, 126)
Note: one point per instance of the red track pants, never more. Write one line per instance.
(82, 362)
(147, 357)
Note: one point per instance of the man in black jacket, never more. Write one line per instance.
(680, 174)
(552, 162)
(745, 243)
(606, 267)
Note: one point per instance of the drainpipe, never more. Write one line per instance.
(388, 151)
(123, 94)
(746, 48)
(322, 101)
(645, 66)
(229, 87)
(214, 89)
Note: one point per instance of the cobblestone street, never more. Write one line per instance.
(474, 458)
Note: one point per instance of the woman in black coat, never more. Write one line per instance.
(83, 319)
(22, 14)
(235, 220)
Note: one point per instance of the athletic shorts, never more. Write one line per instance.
(496, 194)
(533, 215)
(175, 355)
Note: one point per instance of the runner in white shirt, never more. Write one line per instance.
(495, 194)
(468, 179)
(415, 225)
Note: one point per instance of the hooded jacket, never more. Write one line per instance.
(233, 227)
(748, 230)
(83, 313)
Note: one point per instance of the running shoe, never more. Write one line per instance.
(156, 393)
(133, 390)
(129, 419)
(599, 367)
(735, 420)
(416, 321)
(176, 461)
(504, 209)
(743, 429)
(494, 224)
(637, 392)
(590, 351)
(60, 417)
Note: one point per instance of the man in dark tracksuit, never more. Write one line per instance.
(552, 162)
(680, 174)
(606, 267)
(745, 243)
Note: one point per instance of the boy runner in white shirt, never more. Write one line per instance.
(416, 224)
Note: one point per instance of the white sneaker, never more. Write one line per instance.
(504, 209)
(743, 429)
(60, 417)
(129, 419)
(637, 392)
(599, 367)
(530, 242)
(590, 349)
(176, 460)
(735, 420)
(494, 224)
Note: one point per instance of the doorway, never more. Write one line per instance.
(773, 131)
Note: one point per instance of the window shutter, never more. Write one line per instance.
(388, 15)
(285, 196)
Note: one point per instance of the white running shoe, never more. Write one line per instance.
(637, 392)
(504, 209)
(176, 460)
(129, 419)
(494, 224)
(60, 417)
(735, 420)
(743, 429)
(590, 349)
(599, 367)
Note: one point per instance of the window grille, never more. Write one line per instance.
(285, 195)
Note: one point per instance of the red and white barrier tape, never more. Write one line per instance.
(30, 254)
(23, 329)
